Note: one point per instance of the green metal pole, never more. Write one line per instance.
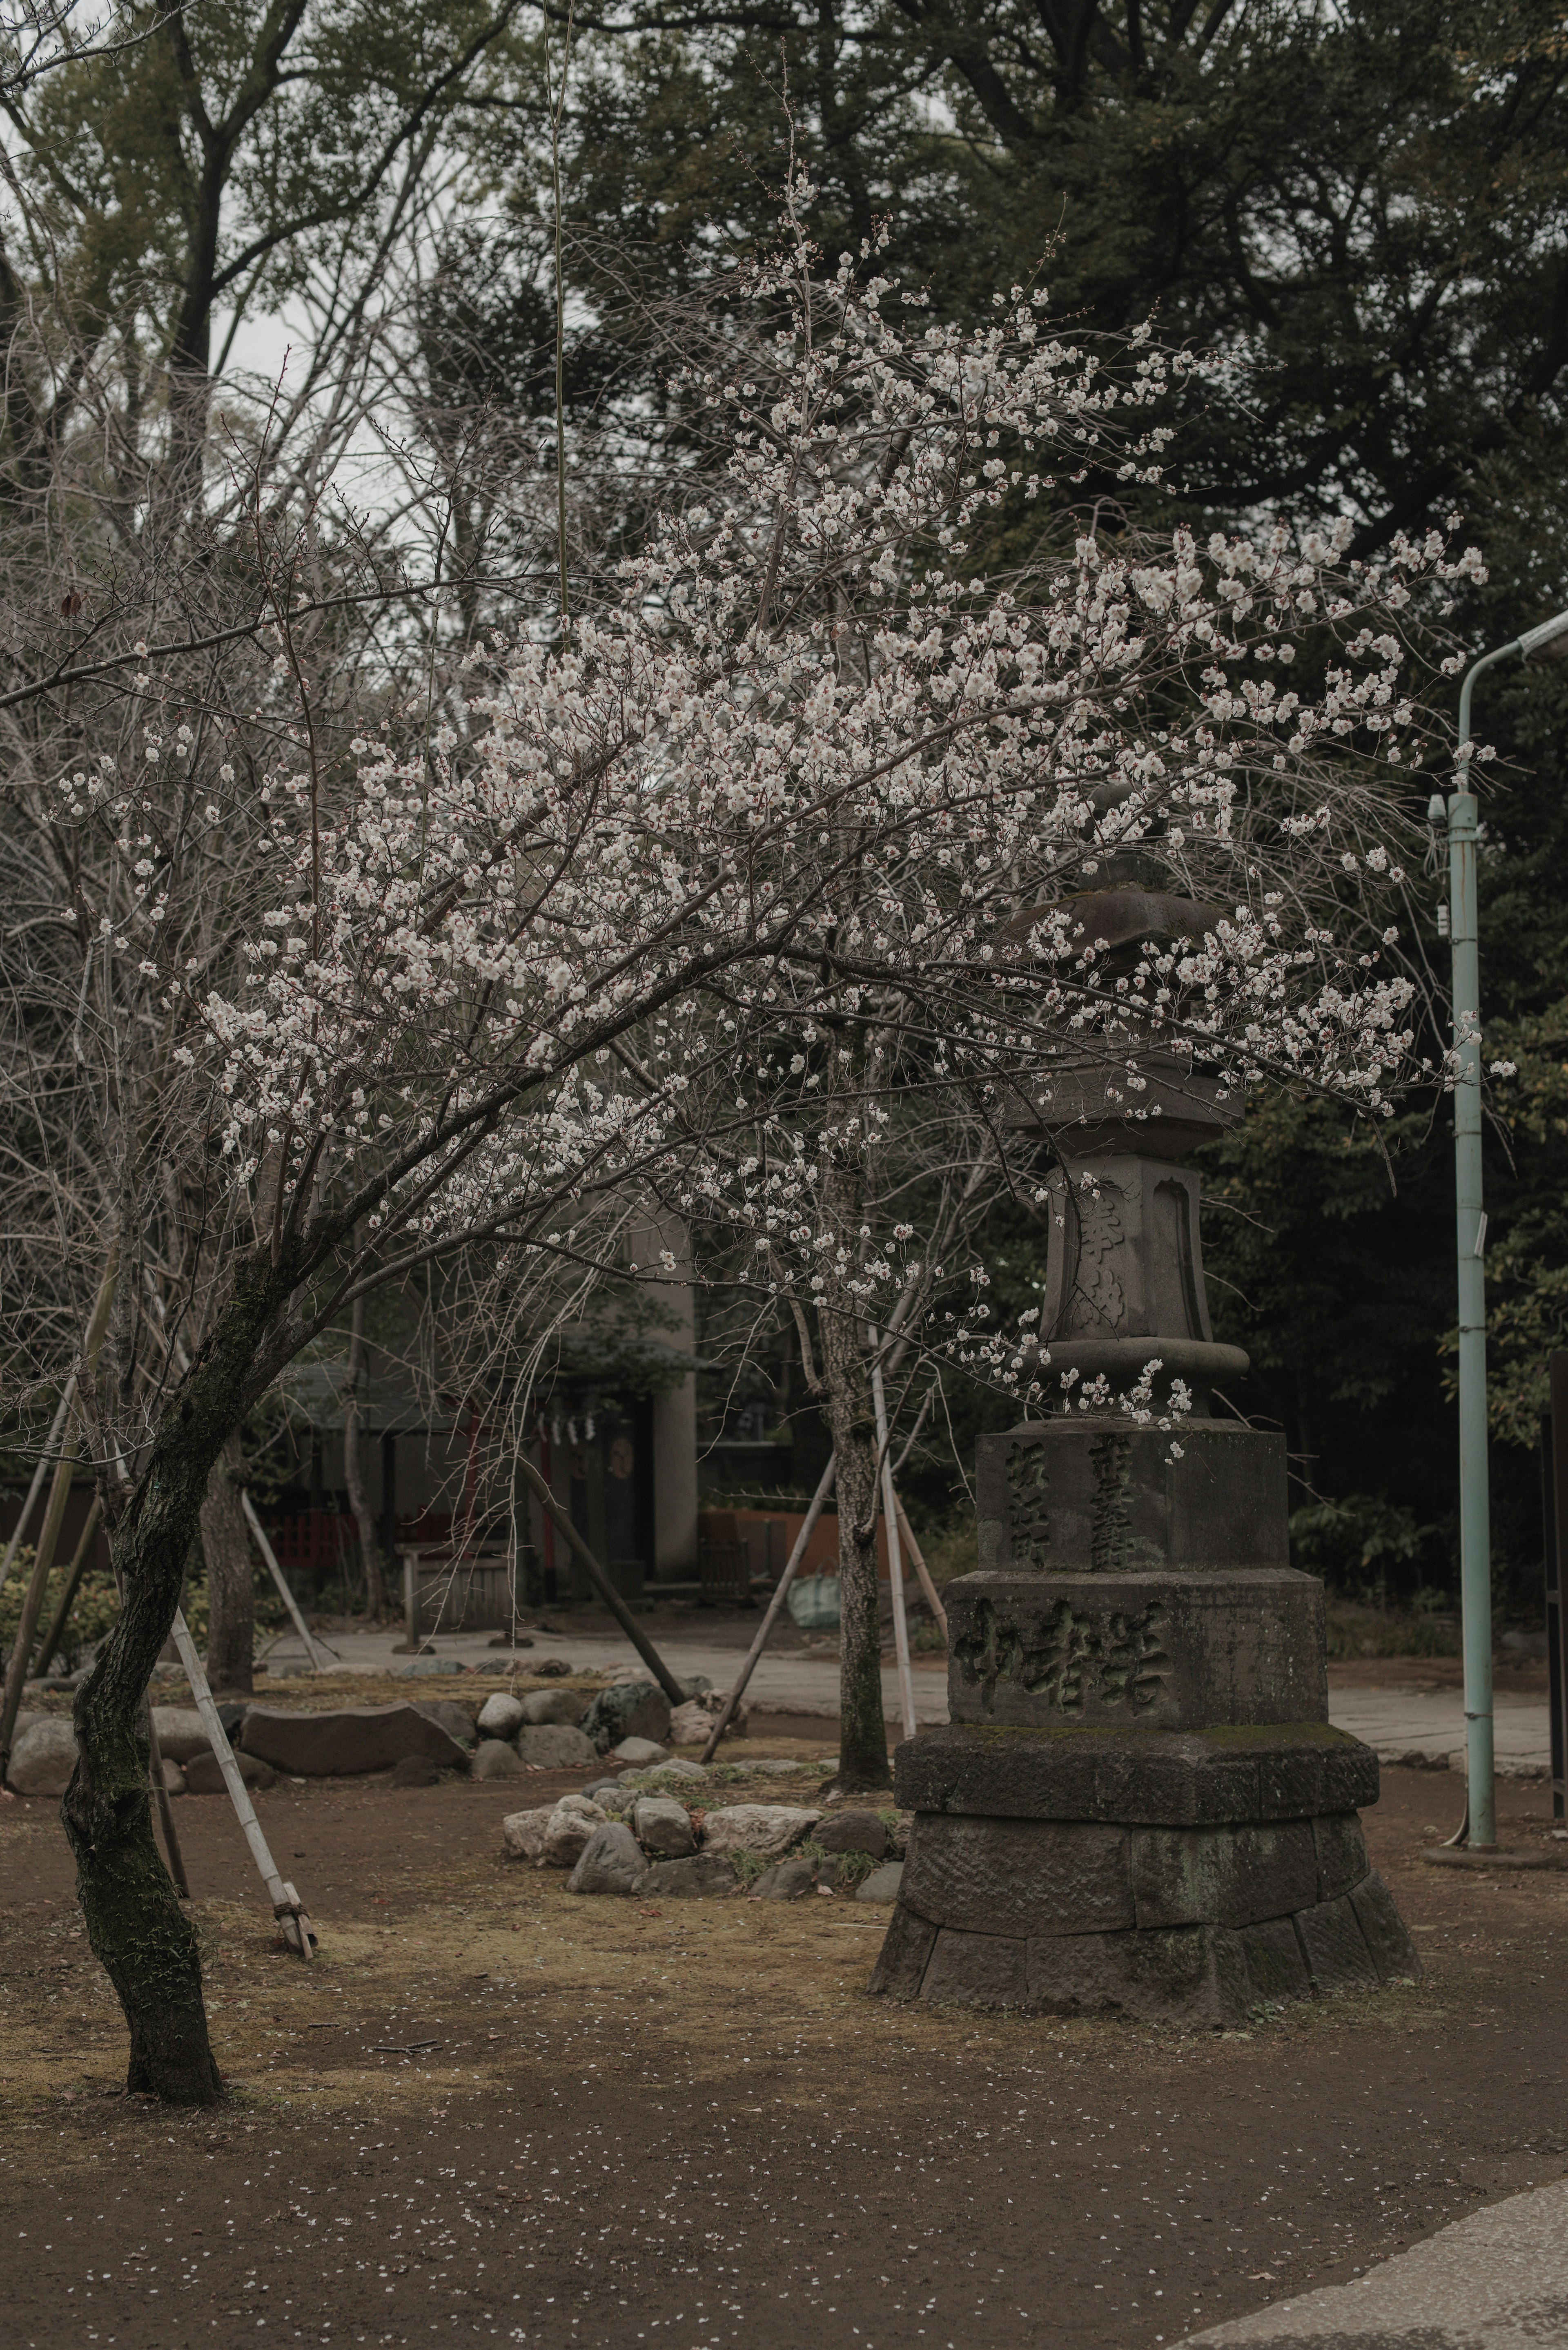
(1475, 1504)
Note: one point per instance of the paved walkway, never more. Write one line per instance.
(1401, 1722)
(1395, 1722)
(1497, 2281)
(786, 1683)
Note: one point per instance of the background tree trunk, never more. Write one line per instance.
(230, 1575)
(863, 1760)
(353, 1476)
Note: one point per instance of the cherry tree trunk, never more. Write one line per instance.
(140, 1937)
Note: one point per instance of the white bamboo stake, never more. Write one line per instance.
(286, 1905)
(781, 1593)
(894, 1555)
(313, 1648)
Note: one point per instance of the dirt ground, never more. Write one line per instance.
(494, 2108)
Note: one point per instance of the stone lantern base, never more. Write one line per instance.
(1179, 1876)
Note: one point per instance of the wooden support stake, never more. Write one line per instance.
(286, 1905)
(314, 1648)
(603, 1586)
(775, 1604)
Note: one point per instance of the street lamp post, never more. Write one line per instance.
(1548, 643)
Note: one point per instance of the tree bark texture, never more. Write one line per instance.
(863, 1763)
(140, 1937)
(230, 1576)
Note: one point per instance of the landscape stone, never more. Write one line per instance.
(627, 1710)
(182, 1732)
(348, 1739)
(1020, 1877)
(616, 1800)
(173, 1777)
(766, 1828)
(43, 1757)
(903, 1960)
(551, 1667)
(641, 1753)
(884, 1883)
(976, 1969)
(523, 1833)
(611, 1862)
(571, 1825)
(663, 1826)
(569, 1706)
(1223, 1877)
(422, 1668)
(785, 1881)
(691, 1724)
(674, 1767)
(697, 1878)
(453, 1718)
(1334, 1946)
(231, 1715)
(494, 1759)
(852, 1831)
(413, 1770)
(501, 1716)
(554, 1746)
(205, 1777)
(1394, 1954)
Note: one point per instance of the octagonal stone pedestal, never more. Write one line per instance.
(1166, 1875)
(1139, 1804)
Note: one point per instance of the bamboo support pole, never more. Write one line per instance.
(77, 1569)
(314, 1648)
(48, 1538)
(286, 1905)
(623, 1615)
(781, 1593)
(921, 1569)
(166, 1817)
(30, 1500)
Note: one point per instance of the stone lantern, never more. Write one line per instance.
(1138, 1804)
